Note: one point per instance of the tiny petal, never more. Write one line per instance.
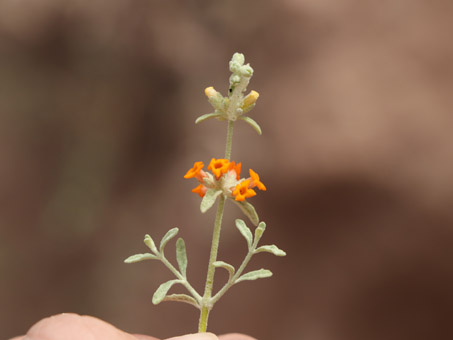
(195, 171)
(200, 190)
(256, 180)
(219, 167)
(243, 191)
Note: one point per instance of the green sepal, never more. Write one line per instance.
(140, 257)
(181, 256)
(271, 249)
(248, 210)
(207, 116)
(224, 265)
(209, 199)
(168, 236)
(161, 292)
(254, 275)
(245, 231)
(252, 123)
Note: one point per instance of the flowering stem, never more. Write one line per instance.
(206, 304)
(229, 142)
(206, 300)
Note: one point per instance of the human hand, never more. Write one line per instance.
(77, 327)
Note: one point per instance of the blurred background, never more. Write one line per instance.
(97, 107)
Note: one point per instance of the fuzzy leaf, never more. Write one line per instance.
(254, 275)
(271, 249)
(248, 210)
(228, 267)
(182, 298)
(207, 116)
(161, 292)
(209, 199)
(140, 257)
(181, 256)
(252, 123)
(259, 231)
(245, 231)
(168, 236)
(150, 244)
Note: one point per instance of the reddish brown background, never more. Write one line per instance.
(97, 103)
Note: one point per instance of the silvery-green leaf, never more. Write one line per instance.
(259, 231)
(181, 256)
(248, 210)
(182, 298)
(207, 116)
(252, 123)
(271, 249)
(140, 257)
(209, 199)
(150, 244)
(245, 231)
(228, 267)
(160, 293)
(256, 274)
(168, 236)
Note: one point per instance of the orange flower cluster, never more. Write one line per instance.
(227, 177)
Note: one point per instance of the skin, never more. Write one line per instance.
(76, 327)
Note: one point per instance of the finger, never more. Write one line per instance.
(18, 338)
(235, 336)
(197, 336)
(75, 327)
(144, 337)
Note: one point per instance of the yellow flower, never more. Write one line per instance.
(255, 180)
(196, 171)
(250, 99)
(210, 92)
(219, 167)
(243, 191)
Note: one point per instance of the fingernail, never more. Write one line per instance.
(197, 336)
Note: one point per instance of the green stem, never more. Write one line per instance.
(206, 301)
(229, 141)
(206, 304)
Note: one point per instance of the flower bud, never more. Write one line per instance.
(249, 101)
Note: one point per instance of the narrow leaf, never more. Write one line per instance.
(182, 298)
(160, 293)
(168, 236)
(252, 123)
(150, 244)
(271, 249)
(228, 267)
(206, 117)
(248, 210)
(254, 275)
(181, 256)
(209, 199)
(140, 257)
(245, 231)
(259, 231)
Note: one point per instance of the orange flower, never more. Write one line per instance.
(236, 168)
(243, 191)
(200, 190)
(219, 167)
(256, 180)
(195, 171)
